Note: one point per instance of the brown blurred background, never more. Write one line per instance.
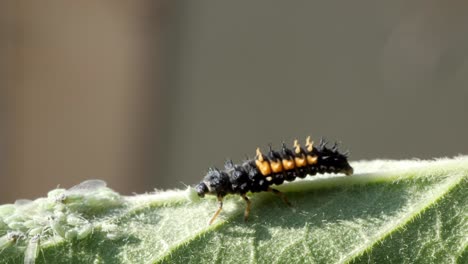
(148, 94)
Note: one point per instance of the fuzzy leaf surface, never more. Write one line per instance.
(388, 212)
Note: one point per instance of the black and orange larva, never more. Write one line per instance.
(257, 175)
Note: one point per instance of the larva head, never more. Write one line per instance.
(333, 160)
(215, 182)
(201, 189)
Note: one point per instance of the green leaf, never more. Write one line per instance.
(388, 212)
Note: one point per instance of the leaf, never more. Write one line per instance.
(388, 212)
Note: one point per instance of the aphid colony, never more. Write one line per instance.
(65, 214)
(257, 175)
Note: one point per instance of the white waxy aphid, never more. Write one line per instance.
(60, 198)
(59, 206)
(41, 219)
(3, 226)
(17, 226)
(85, 231)
(90, 197)
(44, 205)
(71, 234)
(5, 242)
(76, 194)
(30, 223)
(25, 207)
(13, 218)
(55, 194)
(59, 216)
(35, 231)
(86, 186)
(9, 239)
(57, 227)
(6, 210)
(15, 235)
(52, 240)
(74, 220)
(32, 250)
(22, 202)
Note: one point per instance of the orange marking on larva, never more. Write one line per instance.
(264, 167)
(300, 162)
(311, 160)
(288, 164)
(276, 167)
(309, 144)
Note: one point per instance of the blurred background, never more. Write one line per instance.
(149, 94)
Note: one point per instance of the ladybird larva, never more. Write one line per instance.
(260, 173)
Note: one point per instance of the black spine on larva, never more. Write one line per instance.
(302, 172)
(288, 155)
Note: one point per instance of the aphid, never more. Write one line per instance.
(56, 224)
(85, 231)
(32, 250)
(9, 239)
(86, 186)
(259, 174)
(76, 192)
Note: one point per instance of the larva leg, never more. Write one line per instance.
(247, 207)
(220, 207)
(280, 194)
